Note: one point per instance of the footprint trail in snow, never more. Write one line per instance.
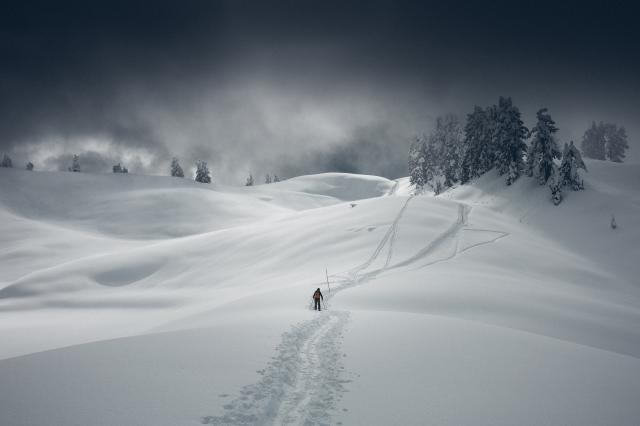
(301, 385)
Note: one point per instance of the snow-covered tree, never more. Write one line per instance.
(249, 181)
(571, 162)
(6, 161)
(120, 169)
(434, 161)
(446, 140)
(29, 166)
(605, 141)
(267, 178)
(479, 152)
(568, 173)
(509, 134)
(555, 186)
(616, 143)
(417, 154)
(75, 166)
(593, 142)
(276, 178)
(175, 169)
(203, 175)
(543, 149)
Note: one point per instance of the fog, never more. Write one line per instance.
(293, 88)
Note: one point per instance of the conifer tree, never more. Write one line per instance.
(616, 143)
(267, 179)
(417, 153)
(605, 141)
(249, 181)
(593, 142)
(175, 168)
(450, 135)
(431, 167)
(508, 135)
(75, 166)
(543, 149)
(276, 178)
(29, 166)
(6, 161)
(118, 168)
(203, 174)
(571, 162)
(555, 186)
(478, 153)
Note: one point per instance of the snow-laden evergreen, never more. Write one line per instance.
(118, 168)
(436, 160)
(175, 168)
(417, 161)
(616, 143)
(543, 149)
(75, 165)
(509, 134)
(447, 139)
(6, 161)
(479, 151)
(267, 178)
(203, 175)
(555, 186)
(605, 141)
(571, 163)
(249, 181)
(29, 166)
(276, 178)
(567, 175)
(593, 142)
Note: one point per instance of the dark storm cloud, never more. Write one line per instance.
(297, 87)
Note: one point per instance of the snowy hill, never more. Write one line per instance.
(155, 300)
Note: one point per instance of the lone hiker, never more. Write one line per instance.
(317, 296)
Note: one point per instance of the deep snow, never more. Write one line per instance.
(153, 300)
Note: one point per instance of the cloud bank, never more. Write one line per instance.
(296, 87)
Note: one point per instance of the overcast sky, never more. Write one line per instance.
(298, 87)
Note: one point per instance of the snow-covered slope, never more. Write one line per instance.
(152, 300)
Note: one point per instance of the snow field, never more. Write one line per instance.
(485, 305)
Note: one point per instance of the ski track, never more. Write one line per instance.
(304, 380)
(447, 241)
(388, 236)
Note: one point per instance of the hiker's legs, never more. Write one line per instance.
(317, 307)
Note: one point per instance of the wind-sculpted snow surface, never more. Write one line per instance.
(482, 287)
(301, 385)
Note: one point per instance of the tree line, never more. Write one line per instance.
(202, 174)
(495, 137)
